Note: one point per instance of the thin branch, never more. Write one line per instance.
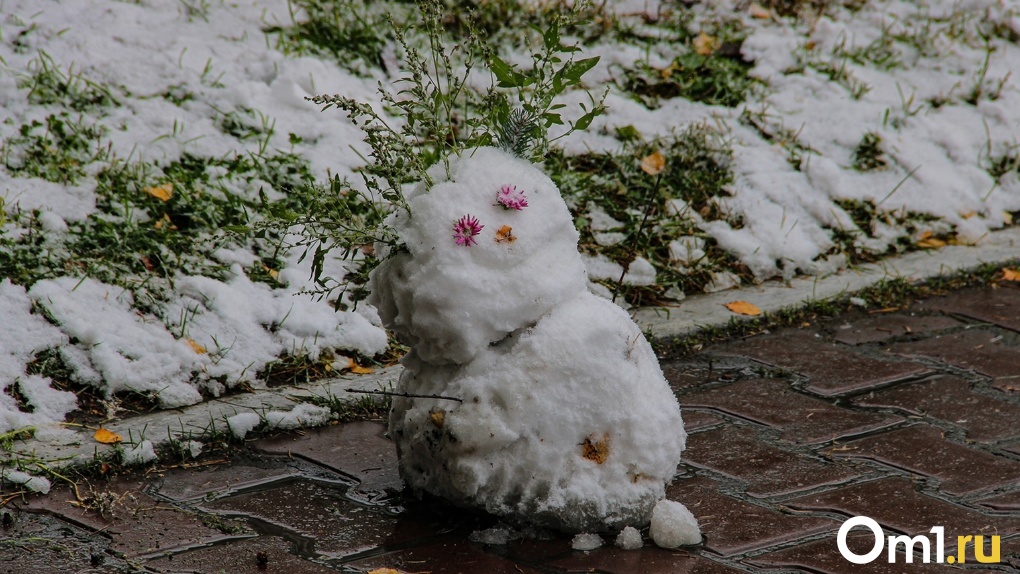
(405, 395)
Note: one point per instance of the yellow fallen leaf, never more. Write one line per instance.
(931, 243)
(386, 571)
(705, 45)
(1007, 218)
(968, 215)
(164, 221)
(1010, 275)
(357, 369)
(759, 12)
(161, 192)
(505, 235)
(667, 72)
(195, 346)
(438, 418)
(106, 436)
(272, 272)
(653, 164)
(743, 308)
(596, 449)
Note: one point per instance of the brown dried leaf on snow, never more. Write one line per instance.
(596, 449)
(653, 164)
(705, 45)
(505, 235)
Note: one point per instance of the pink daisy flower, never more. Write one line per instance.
(510, 198)
(465, 230)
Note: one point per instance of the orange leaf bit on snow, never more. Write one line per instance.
(357, 369)
(743, 308)
(161, 192)
(596, 449)
(505, 235)
(386, 571)
(1010, 275)
(705, 45)
(928, 241)
(106, 436)
(195, 346)
(653, 164)
(759, 12)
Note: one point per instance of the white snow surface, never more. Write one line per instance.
(673, 525)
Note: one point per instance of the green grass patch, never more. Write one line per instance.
(696, 172)
(868, 155)
(57, 148)
(48, 85)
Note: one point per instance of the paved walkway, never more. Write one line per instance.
(908, 416)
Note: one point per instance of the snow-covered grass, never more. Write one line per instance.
(141, 141)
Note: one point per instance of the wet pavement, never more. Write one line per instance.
(908, 416)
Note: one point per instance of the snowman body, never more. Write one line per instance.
(555, 411)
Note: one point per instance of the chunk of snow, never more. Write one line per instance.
(303, 415)
(497, 536)
(586, 541)
(25, 480)
(141, 453)
(192, 447)
(629, 538)
(673, 525)
(242, 423)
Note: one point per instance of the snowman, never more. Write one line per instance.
(523, 394)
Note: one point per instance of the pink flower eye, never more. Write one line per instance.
(465, 230)
(511, 198)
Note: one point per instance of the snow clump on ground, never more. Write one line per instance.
(527, 396)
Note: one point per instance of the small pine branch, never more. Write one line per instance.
(516, 134)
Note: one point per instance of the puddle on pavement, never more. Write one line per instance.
(42, 544)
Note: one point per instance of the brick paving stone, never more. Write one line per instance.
(1008, 502)
(924, 450)
(648, 560)
(239, 557)
(138, 523)
(767, 470)
(999, 306)
(732, 526)
(831, 369)
(358, 449)
(823, 556)
(878, 328)
(951, 399)
(981, 350)
(803, 419)
(1010, 553)
(338, 526)
(681, 376)
(34, 544)
(697, 419)
(191, 483)
(455, 557)
(896, 504)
